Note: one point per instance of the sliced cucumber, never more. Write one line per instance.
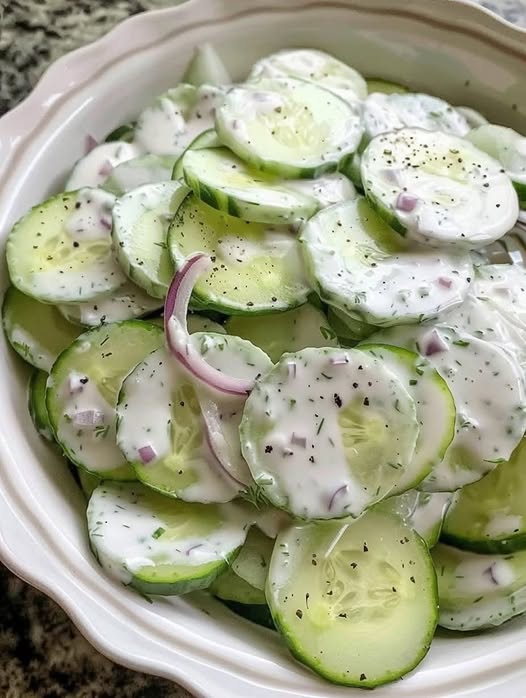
(489, 516)
(385, 112)
(355, 602)
(278, 333)
(222, 180)
(222, 413)
(328, 189)
(61, 251)
(422, 511)
(206, 68)
(140, 226)
(82, 393)
(509, 148)
(253, 560)
(207, 139)
(37, 404)
(328, 432)
(289, 127)
(435, 409)
(230, 587)
(93, 169)
(473, 117)
(348, 327)
(160, 545)
(384, 86)
(353, 170)
(314, 66)
(36, 331)
(176, 117)
(88, 482)
(479, 591)
(126, 303)
(257, 613)
(438, 189)
(488, 386)
(257, 268)
(166, 443)
(504, 286)
(358, 264)
(147, 169)
(200, 323)
(124, 132)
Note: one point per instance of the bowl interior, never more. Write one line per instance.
(42, 531)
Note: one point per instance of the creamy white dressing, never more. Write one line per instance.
(277, 242)
(454, 193)
(94, 445)
(129, 533)
(95, 167)
(328, 432)
(39, 355)
(501, 524)
(176, 118)
(155, 412)
(473, 578)
(390, 112)
(91, 218)
(126, 303)
(327, 190)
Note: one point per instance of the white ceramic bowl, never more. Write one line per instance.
(450, 48)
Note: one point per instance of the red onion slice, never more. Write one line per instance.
(105, 169)
(218, 464)
(176, 330)
(106, 223)
(297, 440)
(89, 143)
(336, 494)
(147, 453)
(444, 282)
(434, 344)
(406, 202)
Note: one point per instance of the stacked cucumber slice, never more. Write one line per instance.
(278, 329)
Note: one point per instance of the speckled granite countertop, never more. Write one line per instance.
(41, 653)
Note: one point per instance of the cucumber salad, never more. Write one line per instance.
(278, 330)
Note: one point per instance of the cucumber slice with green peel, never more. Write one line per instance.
(504, 286)
(166, 442)
(422, 511)
(357, 603)
(37, 404)
(435, 409)
(222, 413)
(509, 148)
(353, 170)
(230, 587)
(207, 139)
(88, 482)
(253, 560)
(160, 545)
(140, 226)
(384, 86)
(257, 268)
(126, 303)
(487, 384)
(348, 327)
(489, 516)
(292, 330)
(200, 323)
(176, 118)
(387, 112)
(289, 127)
(206, 68)
(61, 252)
(314, 66)
(358, 264)
(37, 331)
(82, 392)
(93, 169)
(438, 189)
(478, 592)
(328, 432)
(146, 169)
(257, 613)
(327, 190)
(223, 181)
(472, 116)
(124, 132)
